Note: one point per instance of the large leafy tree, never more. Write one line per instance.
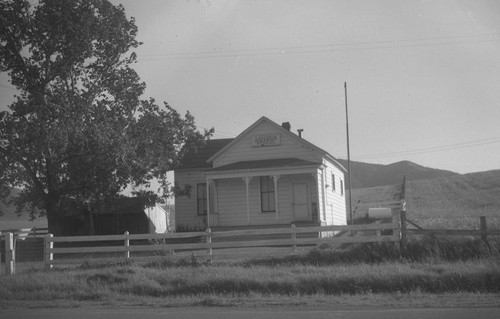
(78, 131)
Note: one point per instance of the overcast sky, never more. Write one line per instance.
(423, 77)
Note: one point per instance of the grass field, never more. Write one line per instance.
(443, 268)
(452, 202)
(456, 202)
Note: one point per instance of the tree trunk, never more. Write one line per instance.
(54, 217)
(91, 224)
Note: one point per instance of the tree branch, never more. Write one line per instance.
(26, 166)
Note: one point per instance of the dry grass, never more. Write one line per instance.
(195, 285)
(450, 203)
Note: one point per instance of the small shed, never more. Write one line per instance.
(126, 214)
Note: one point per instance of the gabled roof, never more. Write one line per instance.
(200, 158)
(282, 131)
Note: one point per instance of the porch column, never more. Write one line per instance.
(208, 203)
(216, 196)
(318, 209)
(324, 191)
(247, 180)
(276, 202)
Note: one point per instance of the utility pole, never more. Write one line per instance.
(348, 155)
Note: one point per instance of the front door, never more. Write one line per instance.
(300, 202)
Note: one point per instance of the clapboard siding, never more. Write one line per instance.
(335, 196)
(186, 216)
(290, 147)
(231, 202)
(320, 185)
(232, 206)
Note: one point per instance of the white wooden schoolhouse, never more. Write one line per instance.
(267, 175)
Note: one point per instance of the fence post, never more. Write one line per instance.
(209, 241)
(1, 270)
(396, 228)
(484, 228)
(127, 244)
(48, 256)
(403, 230)
(294, 239)
(378, 232)
(10, 254)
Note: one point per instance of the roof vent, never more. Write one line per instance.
(300, 130)
(286, 125)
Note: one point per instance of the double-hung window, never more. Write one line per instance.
(201, 198)
(267, 195)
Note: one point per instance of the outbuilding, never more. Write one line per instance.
(267, 175)
(113, 218)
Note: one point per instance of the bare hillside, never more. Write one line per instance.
(470, 195)
(455, 202)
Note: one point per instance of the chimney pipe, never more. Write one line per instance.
(300, 130)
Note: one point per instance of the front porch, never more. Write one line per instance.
(261, 195)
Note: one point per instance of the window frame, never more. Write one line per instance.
(201, 196)
(269, 193)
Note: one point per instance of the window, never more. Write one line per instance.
(333, 182)
(267, 203)
(341, 187)
(201, 198)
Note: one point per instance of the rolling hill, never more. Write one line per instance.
(453, 201)
(371, 175)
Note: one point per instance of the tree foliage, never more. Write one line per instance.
(79, 129)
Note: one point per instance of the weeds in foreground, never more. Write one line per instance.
(426, 266)
(423, 249)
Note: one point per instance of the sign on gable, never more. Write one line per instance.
(266, 140)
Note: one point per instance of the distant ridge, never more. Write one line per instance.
(370, 175)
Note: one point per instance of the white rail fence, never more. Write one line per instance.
(213, 245)
(248, 243)
(239, 244)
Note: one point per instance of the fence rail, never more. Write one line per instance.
(23, 233)
(220, 244)
(228, 243)
(482, 232)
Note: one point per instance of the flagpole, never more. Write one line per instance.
(348, 155)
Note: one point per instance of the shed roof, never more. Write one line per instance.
(268, 163)
(199, 159)
(123, 205)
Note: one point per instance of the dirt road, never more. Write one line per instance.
(248, 313)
